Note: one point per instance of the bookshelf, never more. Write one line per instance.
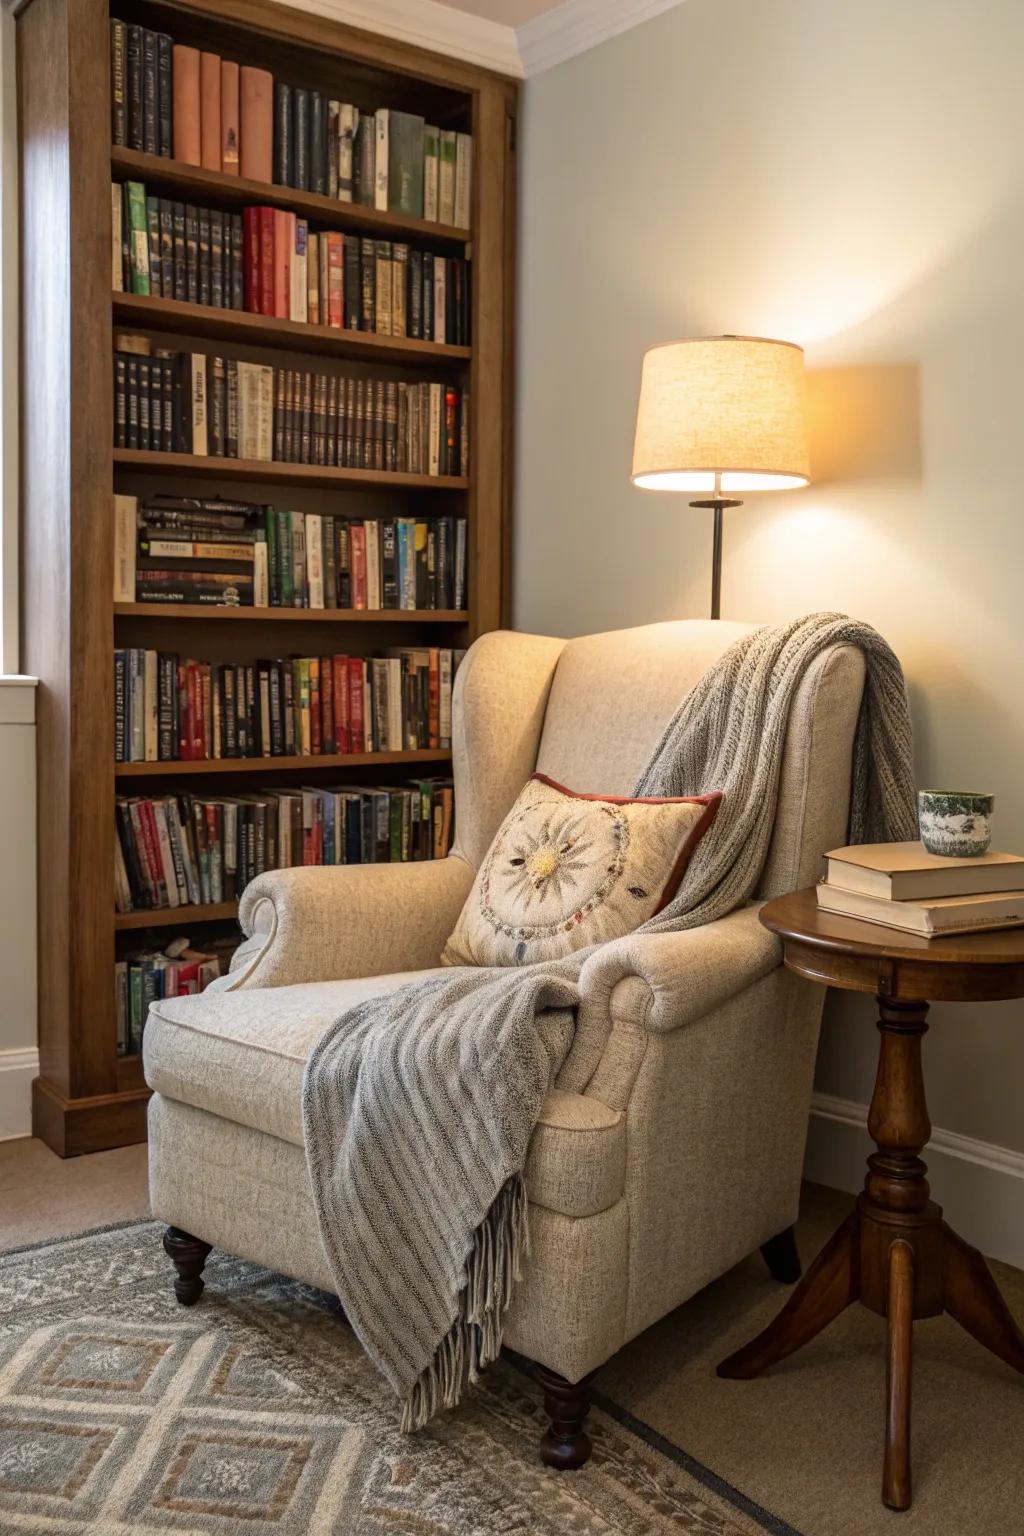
(87, 1097)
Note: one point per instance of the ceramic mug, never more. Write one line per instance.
(955, 823)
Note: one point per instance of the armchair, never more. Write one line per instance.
(671, 1145)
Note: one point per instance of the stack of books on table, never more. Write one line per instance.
(903, 886)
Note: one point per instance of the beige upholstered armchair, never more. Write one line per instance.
(673, 1142)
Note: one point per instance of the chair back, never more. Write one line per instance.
(589, 713)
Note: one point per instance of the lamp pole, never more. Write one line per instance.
(717, 504)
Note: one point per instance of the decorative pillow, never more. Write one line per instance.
(567, 870)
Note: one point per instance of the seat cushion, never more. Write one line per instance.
(241, 1055)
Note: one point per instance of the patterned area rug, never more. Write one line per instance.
(256, 1411)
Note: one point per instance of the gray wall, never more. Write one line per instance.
(849, 176)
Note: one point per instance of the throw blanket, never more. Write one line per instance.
(418, 1107)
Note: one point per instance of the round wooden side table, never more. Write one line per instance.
(894, 1253)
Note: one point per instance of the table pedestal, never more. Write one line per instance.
(894, 1253)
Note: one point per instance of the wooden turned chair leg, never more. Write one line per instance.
(782, 1257)
(188, 1255)
(565, 1444)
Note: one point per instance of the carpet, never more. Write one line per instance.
(256, 1411)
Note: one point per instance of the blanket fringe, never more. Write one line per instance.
(500, 1243)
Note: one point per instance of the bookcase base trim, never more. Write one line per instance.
(70, 1127)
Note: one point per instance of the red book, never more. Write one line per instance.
(256, 122)
(267, 223)
(315, 733)
(185, 74)
(327, 738)
(251, 253)
(184, 743)
(357, 561)
(187, 979)
(357, 729)
(284, 246)
(151, 837)
(209, 110)
(434, 699)
(195, 711)
(341, 730)
(229, 117)
(335, 280)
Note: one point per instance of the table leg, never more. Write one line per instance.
(896, 1468)
(828, 1287)
(970, 1294)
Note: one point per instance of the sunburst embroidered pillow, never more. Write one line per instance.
(568, 870)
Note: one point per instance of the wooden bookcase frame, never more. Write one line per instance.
(86, 1097)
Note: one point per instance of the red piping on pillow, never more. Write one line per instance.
(710, 801)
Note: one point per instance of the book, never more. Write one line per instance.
(380, 159)
(125, 514)
(431, 153)
(165, 94)
(906, 871)
(463, 194)
(347, 120)
(300, 139)
(134, 87)
(930, 918)
(256, 123)
(405, 163)
(118, 97)
(230, 123)
(138, 229)
(284, 161)
(446, 176)
(210, 142)
(187, 139)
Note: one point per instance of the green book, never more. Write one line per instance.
(395, 826)
(273, 557)
(138, 236)
(284, 545)
(431, 149)
(405, 163)
(446, 177)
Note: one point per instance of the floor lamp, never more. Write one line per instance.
(721, 414)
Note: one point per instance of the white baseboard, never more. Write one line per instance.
(979, 1186)
(17, 1069)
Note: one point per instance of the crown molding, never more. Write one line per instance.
(578, 25)
(557, 35)
(428, 24)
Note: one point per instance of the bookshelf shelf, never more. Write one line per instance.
(162, 611)
(149, 314)
(172, 917)
(195, 184)
(215, 765)
(271, 472)
(87, 1097)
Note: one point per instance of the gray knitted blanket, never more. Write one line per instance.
(418, 1107)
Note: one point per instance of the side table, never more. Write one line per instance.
(894, 1253)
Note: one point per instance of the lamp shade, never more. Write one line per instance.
(732, 406)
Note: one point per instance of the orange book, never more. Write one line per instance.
(256, 118)
(186, 105)
(284, 246)
(229, 117)
(209, 110)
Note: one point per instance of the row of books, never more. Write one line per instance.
(199, 108)
(180, 549)
(169, 708)
(267, 261)
(186, 402)
(186, 850)
(146, 975)
(903, 886)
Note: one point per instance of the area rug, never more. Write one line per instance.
(256, 1411)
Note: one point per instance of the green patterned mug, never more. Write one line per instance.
(954, 822)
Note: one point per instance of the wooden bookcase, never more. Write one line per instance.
(87, 1097)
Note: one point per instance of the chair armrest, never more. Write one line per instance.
(657, 982)
(341, 921)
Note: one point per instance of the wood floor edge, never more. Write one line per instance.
(71, 1127)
